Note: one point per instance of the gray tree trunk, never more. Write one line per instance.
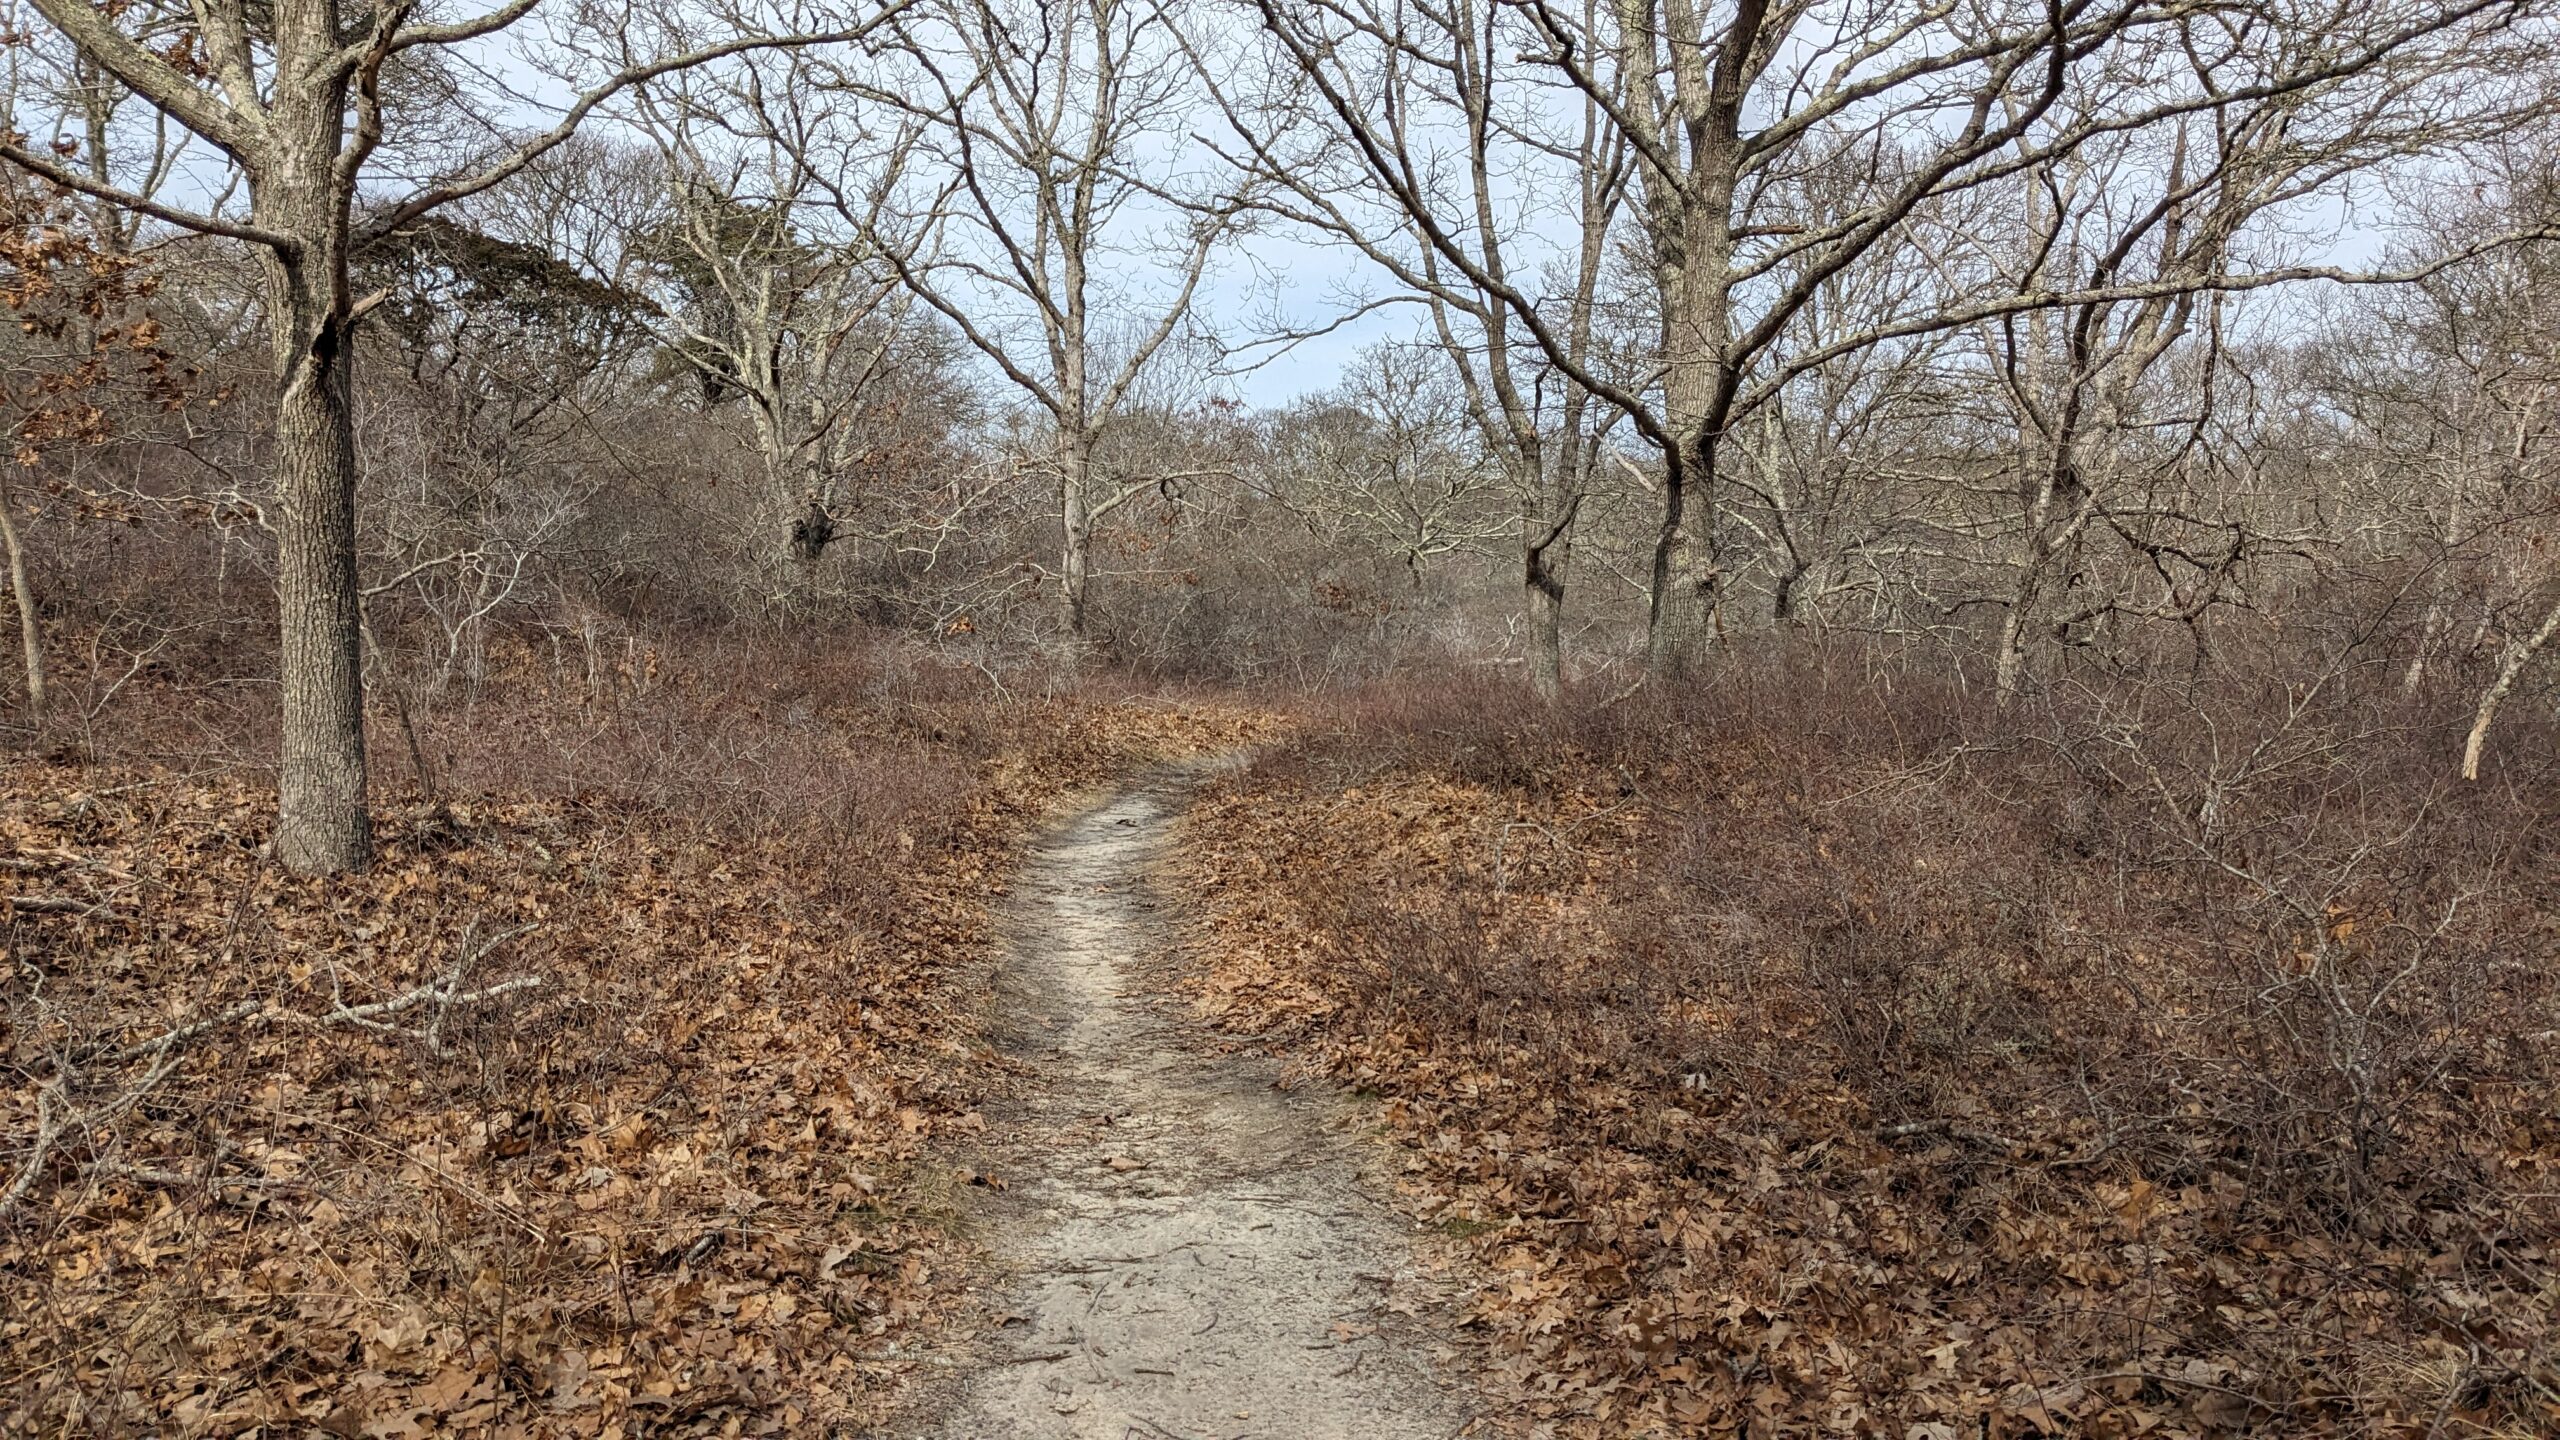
(322, 824)
(1075, 513)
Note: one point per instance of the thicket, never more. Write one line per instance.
(1824, 1049)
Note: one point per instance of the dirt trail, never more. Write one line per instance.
(1191, 1252)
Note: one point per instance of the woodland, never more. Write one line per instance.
(1879, 678)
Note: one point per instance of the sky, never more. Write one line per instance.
(1277, 276)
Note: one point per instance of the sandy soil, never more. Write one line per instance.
(1183, 1250)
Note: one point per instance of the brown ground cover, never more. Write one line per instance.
(594, 1107)
(1807, 1057)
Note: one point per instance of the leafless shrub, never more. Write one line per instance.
(2249, 943)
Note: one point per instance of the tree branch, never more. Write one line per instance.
(419, 204)
(70, 179)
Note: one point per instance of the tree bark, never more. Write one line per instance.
(322, 825)
(1549, 545)
(22, 590)
(1075, 512)
(1681, 612)
(1546, 644)
(2039, 547)
(2519, 655)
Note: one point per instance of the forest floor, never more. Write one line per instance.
(1776, 1075)
(1189, 1249)
(609, 1101)
(841, 1053)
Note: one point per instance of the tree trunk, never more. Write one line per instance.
(2432, 626)
(30, 630)
(2009, 653)
(2038, 552)
(2519, 655)
(322, 826)
(1546, 612)
(2026, 587)
(1680, 615)
(1546, 645)
(2040, 547)
(1547, 547)
(1698, 388)
(1075, 510)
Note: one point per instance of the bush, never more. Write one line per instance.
(1815, 1018)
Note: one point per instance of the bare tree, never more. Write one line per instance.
(773, 290)
(1463, 130)
(1731, 114)
(1389, 462)
(1054, 220)
(292, 96)
(2116, 397)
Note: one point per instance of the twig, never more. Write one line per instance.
(185, 1033)
(51, 1124)
(1624, 695)
(1942, 1125)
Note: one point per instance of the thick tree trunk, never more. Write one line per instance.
(2039, 552)
(1680, 615)
(2041, 548)
(1546, 644)
(1548, 540)
(322, 825)
(1547, 548)
(1698, 391)
(23, 592)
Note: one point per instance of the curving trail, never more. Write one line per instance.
(1191, 1252)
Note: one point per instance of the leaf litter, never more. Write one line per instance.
(1557, 974)
(661, 1177)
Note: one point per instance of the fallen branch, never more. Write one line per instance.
(444, 992)
(185, 1033)
(59, 905)
(369, 1016)
(1942, 1125)
(57, 1117)
(210, 1176)
(52, 1124)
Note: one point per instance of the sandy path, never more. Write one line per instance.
(1190, 1252)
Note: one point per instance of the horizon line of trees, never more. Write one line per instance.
(2013, 333)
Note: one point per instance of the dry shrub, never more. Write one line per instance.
(1817, 1052)
(669, 1189)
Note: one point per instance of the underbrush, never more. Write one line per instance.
(1816, 1053)
(593, 1107)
